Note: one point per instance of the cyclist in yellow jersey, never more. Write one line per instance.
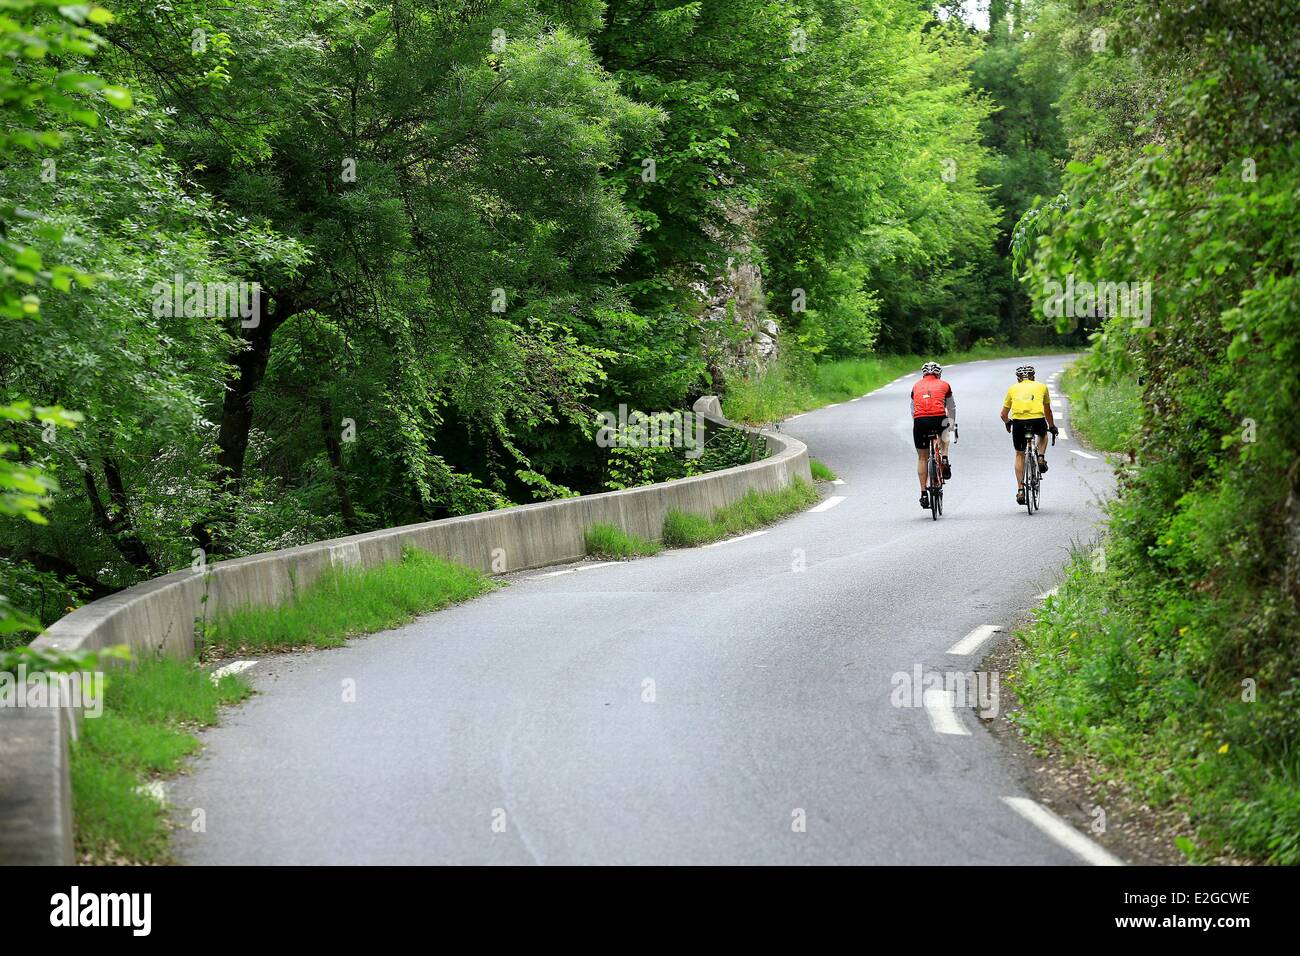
(1026, 410)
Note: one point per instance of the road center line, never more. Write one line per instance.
(1062, 832)
(743, 537)
(828, 504)
(943, 717)
(237, 667)
(1082, 454)
(969, 643)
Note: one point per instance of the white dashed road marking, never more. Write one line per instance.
(971, 642)
(1062, 832)
(581, 567)
(943, 716)
(237, 667)
(743, 537)
(1083, 454)
(155, 791)
(828, 504)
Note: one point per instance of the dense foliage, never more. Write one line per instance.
(1182, 121)
(321, 267)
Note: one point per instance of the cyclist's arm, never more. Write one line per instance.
(1047, 409)
(950, 406)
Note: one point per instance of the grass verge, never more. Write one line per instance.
(784, 390)
(820, 472)
(611, 543)
(1105, 414)
(1100, 681)
(143, 732)
(345, 602)
(756, 509)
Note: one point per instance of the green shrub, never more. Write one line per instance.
(819, 471)
(349, 601)
(754, 510)
(611, 543)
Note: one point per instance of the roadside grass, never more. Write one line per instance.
(611, 543)
(348, 601)
(756, 509)
(1101, 681)
(142, 733)
(1105, 414)
(784, 389)
(820, 472)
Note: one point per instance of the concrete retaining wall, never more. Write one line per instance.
(158, 616)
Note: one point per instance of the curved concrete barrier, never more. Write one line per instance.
(159, 616)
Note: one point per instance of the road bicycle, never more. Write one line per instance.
(934, 475)
(1033, 477)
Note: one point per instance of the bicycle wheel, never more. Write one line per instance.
(936, 489)
(1031, 479)
(1038, 484)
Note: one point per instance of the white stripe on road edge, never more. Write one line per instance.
(581, 567)
(1046, 594)
(943, 718)
(238, 667)
(743, 537)
(793, 417)
(828, 504)
(832, 405)
(1082, 454)
(1062, 435)
(1062, 832)
(974, 639)
(837, 481)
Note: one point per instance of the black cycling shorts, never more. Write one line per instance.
(1022, 426)
(923, 426)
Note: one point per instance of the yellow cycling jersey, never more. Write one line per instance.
(1026, 399)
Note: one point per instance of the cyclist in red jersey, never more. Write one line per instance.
(933, 411)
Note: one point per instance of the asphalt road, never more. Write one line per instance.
(730, 704)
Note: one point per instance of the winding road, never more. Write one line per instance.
(730, 704)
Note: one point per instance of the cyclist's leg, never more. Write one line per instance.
(1042, 446)
(922, 457)
(943, 449)
(1020, 441)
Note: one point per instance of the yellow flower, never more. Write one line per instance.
(1182, 631)
(1223, 749)
(1169, 540)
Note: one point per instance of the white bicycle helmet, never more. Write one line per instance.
(1025, 371)
(931, 368)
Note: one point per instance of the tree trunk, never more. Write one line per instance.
(328, 427)
(237, 408)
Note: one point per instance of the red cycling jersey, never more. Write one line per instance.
(930, 397)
